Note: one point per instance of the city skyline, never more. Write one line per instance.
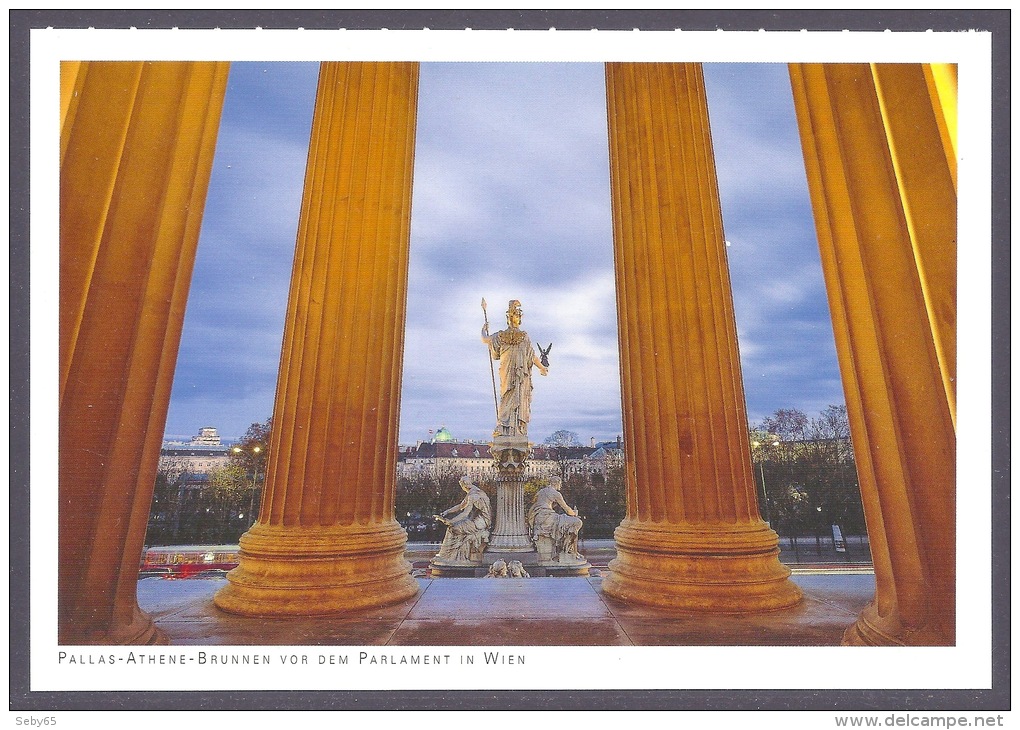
(510, 201)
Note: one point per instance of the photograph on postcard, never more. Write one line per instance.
(494, 361)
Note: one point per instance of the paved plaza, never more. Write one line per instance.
(515, 612)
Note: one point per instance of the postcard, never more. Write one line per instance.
(508, 170)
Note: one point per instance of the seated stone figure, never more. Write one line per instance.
(516, 569)
(498, 569)
(467, 526)
(554, 533)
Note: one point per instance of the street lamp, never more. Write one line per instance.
(761, 468)
(256, 450)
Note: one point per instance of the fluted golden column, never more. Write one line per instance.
(693, 538)
(326, 540)
(878, 146)
(137, 142)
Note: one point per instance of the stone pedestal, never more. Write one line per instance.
(510, 537)
(136, 146)
(510, 529)
(554, 563)
(326, 540)
(439, 568)
(693, 538)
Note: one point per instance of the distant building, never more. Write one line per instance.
(443, 435)
(445, 454)
(461, 457)
(603, 460)
(207, 436)
(201, 455)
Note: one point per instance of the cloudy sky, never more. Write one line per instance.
(511, 200)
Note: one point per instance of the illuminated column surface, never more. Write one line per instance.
(326, 540)
(136, 149)
(879, 152)
(693, 538)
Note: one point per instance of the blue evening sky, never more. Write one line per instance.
(511, 201)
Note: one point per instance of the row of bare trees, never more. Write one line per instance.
(806, 474)
(804, 470)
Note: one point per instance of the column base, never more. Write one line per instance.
(725, 568)
(872, 629)
(317, 571)
(141, 631)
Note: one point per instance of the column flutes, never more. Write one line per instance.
(136, 150)
(879, 148)
(326, 539)
(693, 537)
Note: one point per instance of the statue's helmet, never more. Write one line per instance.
(514, 308)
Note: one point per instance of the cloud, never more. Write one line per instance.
(784, 329)
(447, 380)
(510, 163)
(510, 200)
(230, 344)
(256, 191)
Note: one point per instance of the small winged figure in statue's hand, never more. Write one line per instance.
(545, 354)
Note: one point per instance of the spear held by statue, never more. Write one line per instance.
(492, 371)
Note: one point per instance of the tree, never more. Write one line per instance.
(229, 493)
(789, 424)
(249, 457)
(805, 472)
(565, 449)
(258, 434)
(833, 425)
(838, 488)
(563, 438)
(167, 500)
(210, 508)
(601, 503)
(422, 494)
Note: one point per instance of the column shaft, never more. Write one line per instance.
(137, 143)
(692, 537)
(326, 539)
(510, 531)
(877, 153)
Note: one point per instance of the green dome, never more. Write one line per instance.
(442, 435)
